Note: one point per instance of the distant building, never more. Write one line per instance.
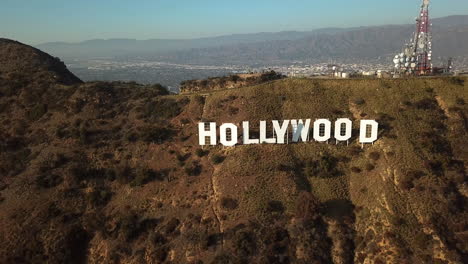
(369, 73)
(383, 74)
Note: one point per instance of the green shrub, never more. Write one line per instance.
(99, 196)
(233, 110)
(81, 172)
(129, 226)
(324, 167)
(374, 156)
(229, 203)
(369, 167)
(422, 241)
(457, 81)
(159, 89)
(144, 176)
(200, 100)
(217, 159)
(193, 170)
(54, 161)
(131, 136)
(124, 174)
(355, 150)
(156, 134)
(270, 76)
(426, 104)
(245, 243)
(13, 163)
(61, 132)
(414, 174)
(275, 207)
(407, 103)
(359, 101)
(172, 225)
(406, 184)
(201, 153)
(163, 109)
(223, 258)
(84, 135)
(157, 239)
(183, 158)
(36, 112)
(197, 238)
(161, 254)
(234, 78)
(204, 83)
(47, 180)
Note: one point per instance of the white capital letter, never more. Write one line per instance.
(223, 135)
(348, 129)
(280, 131)
(364, 136)
(247, 140)
(263, 137)
(326, 124)
(202, 133)
(299, 128)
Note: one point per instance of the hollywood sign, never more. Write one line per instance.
(300, 131)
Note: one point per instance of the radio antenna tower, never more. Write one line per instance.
(416, 58)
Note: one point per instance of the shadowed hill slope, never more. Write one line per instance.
(19, 61)
(112, 173)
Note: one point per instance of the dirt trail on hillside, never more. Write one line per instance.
(215, 193)
(443, 106)
(215, 198)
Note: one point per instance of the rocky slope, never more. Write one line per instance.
(112, 173)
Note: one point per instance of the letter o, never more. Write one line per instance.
(223, 134)
(327, 130)
(348, 130)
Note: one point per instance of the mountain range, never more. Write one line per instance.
(450, 35)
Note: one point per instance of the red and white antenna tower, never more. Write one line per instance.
(416, 58)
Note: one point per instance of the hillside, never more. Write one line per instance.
(18, 61)
(112, 173)
(228, 82)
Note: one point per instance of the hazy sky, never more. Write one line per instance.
(37, 21)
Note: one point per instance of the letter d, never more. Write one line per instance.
(369, 131)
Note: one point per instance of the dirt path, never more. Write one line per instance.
(215, 193)
(215, 201)
(443, 106)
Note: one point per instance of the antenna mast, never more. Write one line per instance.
(416, 58)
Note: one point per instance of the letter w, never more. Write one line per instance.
(300, 129)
